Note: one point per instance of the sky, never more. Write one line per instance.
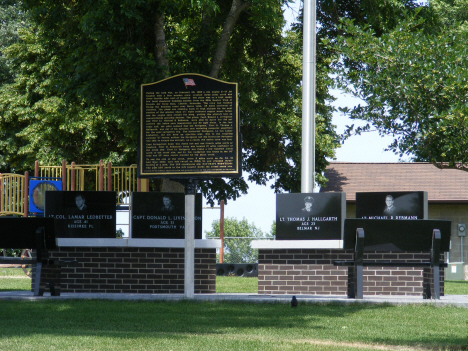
(258, 207)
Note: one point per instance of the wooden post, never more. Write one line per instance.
(142, 184)
(109, 176)
(64, 175)
(26, 193)
(73, 178)
(101, 176)
(36, 168)
(1, 197)
(221, 233)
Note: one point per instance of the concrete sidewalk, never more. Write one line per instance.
(455, 300)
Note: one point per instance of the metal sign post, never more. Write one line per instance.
(308, 99)
(189, 255)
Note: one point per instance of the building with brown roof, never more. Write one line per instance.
(447, 191)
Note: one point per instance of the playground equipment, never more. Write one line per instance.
(14, 188)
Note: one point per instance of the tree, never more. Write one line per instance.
(273, 229)
(237, 238)
(12, 19)
(413, 80)
(447, 13)
(79, 67)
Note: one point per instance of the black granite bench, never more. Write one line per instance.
(31, 233)
(369, 235)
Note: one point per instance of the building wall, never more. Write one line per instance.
(134, 270)
(457, 213)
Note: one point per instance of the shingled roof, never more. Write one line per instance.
(442, 185)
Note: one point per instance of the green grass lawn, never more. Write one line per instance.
(456, 287)
(188, 325)
(12, 279)
(223, 325)
(236, 285)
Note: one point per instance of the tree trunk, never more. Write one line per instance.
(236, 9)
(160, 46)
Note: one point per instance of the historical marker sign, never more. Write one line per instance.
(314, 216)
(162, 215)
(189, 128)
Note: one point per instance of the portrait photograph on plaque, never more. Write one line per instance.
(82, 214)
(396, 205)
(189, 127)
(157, 215)
(310, 216)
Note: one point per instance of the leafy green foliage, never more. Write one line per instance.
(237, 237)
(11, 19)
(273, 229)
(381, 15)
(407, 61)
(414, 84)
(10, 252)
(447, 13)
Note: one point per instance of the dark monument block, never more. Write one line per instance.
(396, 205)
(82, 214)
(20, 232)
(158, 215)
(397, 235)
(314, 216)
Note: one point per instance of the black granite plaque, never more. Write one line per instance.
(400, 205)
(397, 235)
(162, 215)
(189, 128)
(82, 214)
(20, 232)
(316, 216)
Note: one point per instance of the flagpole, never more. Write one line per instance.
(308, 98)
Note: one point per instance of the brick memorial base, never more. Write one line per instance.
(311, 272)
(160, 270)
(147, 270)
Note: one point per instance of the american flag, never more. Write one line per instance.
(188, 81)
